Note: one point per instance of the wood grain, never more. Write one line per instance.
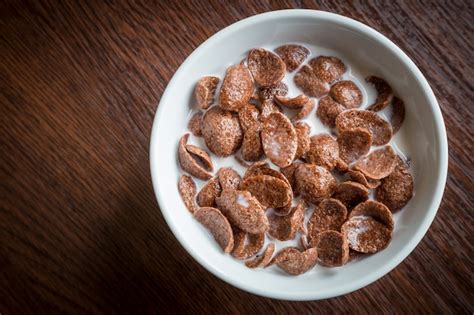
(80, 230)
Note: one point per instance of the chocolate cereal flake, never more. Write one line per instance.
(333, 249)
(187, 189)
(302, 133)
(378, 164)
(354, 143)
(218, 225)
(243, 210)
(346, 93)
(329, 214)
(398, 114)
(292, 55)
(263, 259)
(208, 194)
(236, 89)
(366, 235)
(384, 93)
(279, 139)
(351, 194)
(323, 151)
(266, 67)
(328, 110)
(310, 83)
(188, 162)
(380, 129)
(314, 182)
(195, 124)
(205, 90)
(270, 191)
(295, 262)
(328, 69)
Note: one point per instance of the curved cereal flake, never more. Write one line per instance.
(304, 111)
(396, 189)
(243, 210)
(328, 69)
(328, 110)
(314, 182)
(380, 129)
(378, 164)
(221, 131)
(333, 249)
(218, 225)
(279, 89)
(270, 191)
(187, 189)
(279, 139)
(252, 144)
(247, 245)
(208, 194)
(384, 93)
(262, 168)
(188, 162)
(205, 90)
(248, 116)
(295, 262)
(201, 156)
(292, 102)
(302, 133)
(398, 114)
(236, 89)
(346, 93)
(359, 177)
(354, 143)
(228, 178)
(284, 228)
(366, 235)
(289, 173)
(292, 55)
(263, 259)
(376, 210)
(266, 67)
(323, 151)
(329, 214)
(195, 124)
(310, 83)
(351, 193)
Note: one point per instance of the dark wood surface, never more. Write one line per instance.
(80, 230)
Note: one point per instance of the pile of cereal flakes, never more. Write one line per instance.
(240, 212)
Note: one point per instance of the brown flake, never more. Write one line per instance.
(208, 194)
(304, 111)
(246, 245)
(284, 228)
(323, 151)
(378, 164)
(380, 129)
(263, 259)
(329, 214)
(236, 89)
(295, 262)
(187, 189)
(243, 210)
(351, 194)
(205, 91)
(314, 182)
(218, 225)
(252, 149)
(270, 191)
(359, 177)
(354, 143)
(229, 178)
(328, 69)
(201, 156)
(302, 133)
(195, 124)
(292, 55)
(376, 210)
(248, 116)
(188, 162)
(221, 131)
(384, 93)
(398, 114)
(396, 189)
(346, 93)
(328, 110)
(310, 83)
(366, 235)
(292, 102)
(270, 92)
(279, 139)
(265, 67)
(333, 249)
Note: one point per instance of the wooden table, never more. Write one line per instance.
(80, 229)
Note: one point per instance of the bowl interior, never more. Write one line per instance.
(422, 138)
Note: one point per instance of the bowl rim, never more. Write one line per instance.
(440, 135)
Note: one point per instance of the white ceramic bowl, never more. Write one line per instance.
(423, 138)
